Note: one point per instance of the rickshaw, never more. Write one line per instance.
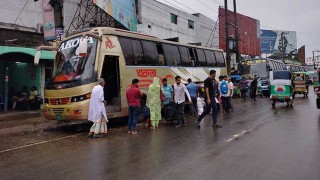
(300, 84)
(281, 87)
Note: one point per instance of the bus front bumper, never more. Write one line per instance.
(73, 111)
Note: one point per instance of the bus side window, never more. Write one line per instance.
(150, 53)
(201, 58)
(127, 50)
(161, 54)
(186, 61)
(211, 59)
(168, 54)
(220, 58)
(176, 55)
(193, 56)
(137, 52)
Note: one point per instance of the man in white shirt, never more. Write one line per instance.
(231, 88)
(180, 91)
(97, 111)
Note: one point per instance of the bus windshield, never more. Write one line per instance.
(70, 67)
(258, 68)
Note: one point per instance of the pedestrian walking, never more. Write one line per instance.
(193, 91)
(210, 100)
(244, 88)
(253, 87)
(200, 99)
(97, 111)
(180, 91)
(224, 93)
(249, 80)
(231, 88)
(154, 103)
(133, 95)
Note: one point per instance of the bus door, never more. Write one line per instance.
(111, 74)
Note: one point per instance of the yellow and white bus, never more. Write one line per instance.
(119, 56)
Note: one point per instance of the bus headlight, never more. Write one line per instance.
(81, 97)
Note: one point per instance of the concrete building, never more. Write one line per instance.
(167, 22)
(20, 34)
(21, 12)
(311, 62)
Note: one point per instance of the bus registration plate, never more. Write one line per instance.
(58, 117)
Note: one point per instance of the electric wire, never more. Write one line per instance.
(21, 11)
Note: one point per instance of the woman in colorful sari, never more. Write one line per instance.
(154, 103)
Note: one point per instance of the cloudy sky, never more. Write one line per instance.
(302, 16)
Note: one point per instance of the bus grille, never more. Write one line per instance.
(59, 101)
(58, 110)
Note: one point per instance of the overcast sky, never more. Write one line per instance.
(302, 16)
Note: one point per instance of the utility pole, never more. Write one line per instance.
(227, 36)
(314, 61)
(283, 45)
(236, 34)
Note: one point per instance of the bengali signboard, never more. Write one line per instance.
(124, 11)
(59, 36)
(48, 21)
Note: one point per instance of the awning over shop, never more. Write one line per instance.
(45, 55)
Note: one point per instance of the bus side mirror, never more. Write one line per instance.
(37, 58)
(83, 47)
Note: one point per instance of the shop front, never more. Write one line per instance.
(18, 73)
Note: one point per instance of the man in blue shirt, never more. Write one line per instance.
(193, 91)
(167, 91)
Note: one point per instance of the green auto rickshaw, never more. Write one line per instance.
(281, 87)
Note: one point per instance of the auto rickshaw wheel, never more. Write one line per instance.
(273, 104)
(293, 96)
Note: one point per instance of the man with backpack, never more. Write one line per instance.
(224, 92)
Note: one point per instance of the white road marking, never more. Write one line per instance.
(237, 135)
(38, 143)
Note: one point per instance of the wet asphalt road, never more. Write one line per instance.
(256, 142)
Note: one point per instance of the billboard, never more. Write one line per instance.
(124, 11)
(48, 21)
(248, 33)
(271, 42)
